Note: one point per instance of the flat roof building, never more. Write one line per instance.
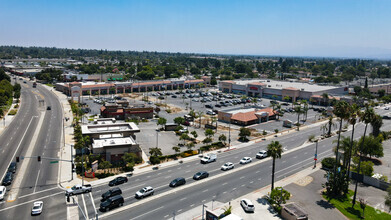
(279, 89)
(126, 129)
(113, 147)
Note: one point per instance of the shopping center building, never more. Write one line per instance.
(279, 89)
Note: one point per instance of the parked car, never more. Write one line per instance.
(118, 180)
(3, 191)
(200, 175)
(8, 179)
(177, 182)
(146, 191)
(208, 106)
(245, 160)
(110, 193)
(387, 108)
(78, 189)
(227, 166)
(12, 167)
(210, 112)
(183, 130)
(111, 203)
(218, 106)
(37, 208)
(247, 205)
(174, 96)
(261, 154)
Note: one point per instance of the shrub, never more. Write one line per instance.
(154, 160)
(12, 112)
(328, 163)
(16, 106)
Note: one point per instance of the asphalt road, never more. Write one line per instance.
(40, 178)
(159, 180)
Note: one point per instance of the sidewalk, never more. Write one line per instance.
(7, 119)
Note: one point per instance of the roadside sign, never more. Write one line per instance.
(55, 161)
(315, 159)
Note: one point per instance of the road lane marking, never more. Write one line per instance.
(45, 190)
(93, 203)
(183, 199)
(251, 181)
(36, 181)
(192, 205)
(205, 190)
(233, 189)
(241, 177)
(28, 202)
(85, 207)
(203, 201)
(224, 183)
(257, 171)
(146, 213)
(180, 210)
(242, 185)
(167, 177)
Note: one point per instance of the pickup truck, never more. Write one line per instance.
(78, 189)
(209, 158)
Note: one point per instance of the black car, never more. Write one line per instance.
(49, 108)
(112, 192)
(200, 175)
(217, 106)
(118, 180)
(8, 179)
(177, 182)
(208, 106)
(12, 167)
(174, 96)
(112, 202)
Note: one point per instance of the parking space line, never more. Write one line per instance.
(85, 207)
(93, 203)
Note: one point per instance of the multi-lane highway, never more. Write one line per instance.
(34, 132)
(220, 186)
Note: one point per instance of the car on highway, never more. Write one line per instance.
(3, 191)
(12, 167)
(8, 179)
(49, 108)
(37, 208)
(177, 182)
(118, 180)
(111, 203)
(110, 193)
(227, 166)
(261, 154)
(245, 160)
(146, 191)
(200, 175)
(247, 205)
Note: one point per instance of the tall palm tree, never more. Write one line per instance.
(366, 117)
(274, 149)
(341, 110)
(298, 110)
(330, 124)
(325, 97)
(355, 113)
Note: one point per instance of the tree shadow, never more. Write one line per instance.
(325, 204)
(354, 211)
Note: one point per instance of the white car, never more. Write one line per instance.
(261, 154)
(3, 190)
(227, 166)
(210, 112)
(146, 191)
(247, 205)
(245, 160)
(37, 208)
(195, 100)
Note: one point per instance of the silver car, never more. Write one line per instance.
(37, 208)
(146, 191)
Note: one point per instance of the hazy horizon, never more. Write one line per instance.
(302, 28)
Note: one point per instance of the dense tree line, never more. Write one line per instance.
(7, 91)
(160, 65)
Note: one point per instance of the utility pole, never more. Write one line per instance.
(229, 135)
(316, 153)
(82, 166)
(71, 162)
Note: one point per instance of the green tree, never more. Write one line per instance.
(376, 124)
(162, 122)
(279, 196)
(184, 137)
(223, 139)
(105, 165)
(179, 120)
(354, 114)
(194, 133)
(176, 149)
(274, 150)
(325, 97)
(387, 201)
(381, 93)
(209, 133)
(244, 133)
(366, 117)
(372, 146)
(298, 109)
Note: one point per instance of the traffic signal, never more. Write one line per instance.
(17, 159)
(39, 158)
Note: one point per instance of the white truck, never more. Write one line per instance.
(209, 158)
(78, 189)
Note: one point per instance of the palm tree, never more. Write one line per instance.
(298, 110)
(274, 149)
(366, 117)
(355, 113)
(345, 147)
(341, 110)
(305, 108)
(325, 97)
(330, 123)
(376, 124)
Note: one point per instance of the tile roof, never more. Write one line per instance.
(244, 116)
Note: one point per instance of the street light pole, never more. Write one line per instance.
(316, 153)
(229, 135)
(203, 206)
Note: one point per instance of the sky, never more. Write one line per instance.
(331, 28)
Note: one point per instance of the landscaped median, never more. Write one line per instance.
(344, 205)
